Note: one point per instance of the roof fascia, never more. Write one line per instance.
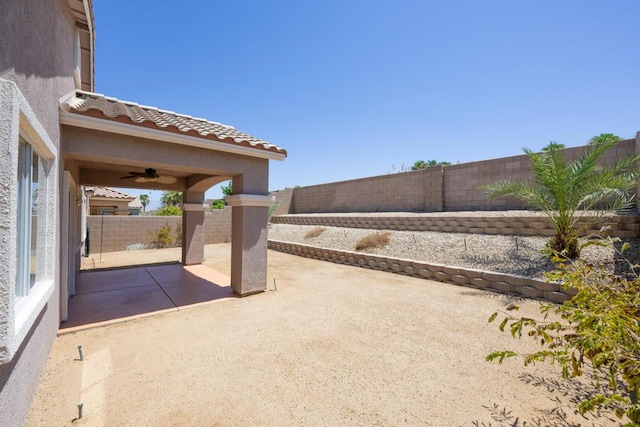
(78, 120)
(112, 199)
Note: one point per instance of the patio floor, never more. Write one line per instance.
(114, 295)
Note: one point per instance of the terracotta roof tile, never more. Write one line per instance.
(109, 193)
(97, 105)
(135, 203)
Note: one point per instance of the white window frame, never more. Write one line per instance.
(18, 120)
(77, 59)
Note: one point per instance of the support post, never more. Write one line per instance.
(193, 228)
(249, 242)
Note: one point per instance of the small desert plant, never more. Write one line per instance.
(314, 232)
(162, 238)
(178, 234)
(274, 207)
(373, 241)
(217, 204)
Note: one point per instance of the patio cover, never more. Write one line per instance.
(104, 138)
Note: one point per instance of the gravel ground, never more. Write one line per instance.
(333, 345)
(520, 255)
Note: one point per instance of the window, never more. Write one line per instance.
(103, 210)
(31, 219)
(28, 166)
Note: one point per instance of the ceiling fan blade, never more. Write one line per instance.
(127, 177)
(166, 179)
(143, 179)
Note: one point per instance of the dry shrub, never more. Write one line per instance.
(372, 241)
(315, 232)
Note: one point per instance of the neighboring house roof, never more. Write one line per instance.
(109, 193)
(135, 203)
(99, 106)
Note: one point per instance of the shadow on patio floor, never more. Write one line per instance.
(119, 294)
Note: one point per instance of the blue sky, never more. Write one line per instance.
(355, 88)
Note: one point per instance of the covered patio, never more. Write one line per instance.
(113, 295)
(108, 142)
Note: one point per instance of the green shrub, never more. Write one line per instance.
(274, 207)
(598, 334)
(217, 204)
(169, 211)
(162, 237)
(178, 234)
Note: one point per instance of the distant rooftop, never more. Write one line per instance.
(109, 193)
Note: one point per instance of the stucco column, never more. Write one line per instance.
(192, 227)
(249, 242)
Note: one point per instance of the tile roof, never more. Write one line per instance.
(135, 203)
(100, 106)
(109, 193)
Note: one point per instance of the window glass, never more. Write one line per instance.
(31, 219)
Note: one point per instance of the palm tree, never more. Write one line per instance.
(144, 201)
(565, 190)
(421, 164)
(171, 198)
(227, 190)
(418, 165)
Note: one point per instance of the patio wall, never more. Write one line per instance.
(435, 189)
(117, 233)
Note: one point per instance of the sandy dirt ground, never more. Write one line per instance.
(333, 345)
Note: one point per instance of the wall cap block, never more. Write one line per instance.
(254, 200)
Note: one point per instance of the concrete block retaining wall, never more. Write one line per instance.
(477, 279)
(620, 226)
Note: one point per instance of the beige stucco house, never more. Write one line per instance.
(56, 136)
(109, 201)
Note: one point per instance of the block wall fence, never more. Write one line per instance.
(117, 233)
(435, 189)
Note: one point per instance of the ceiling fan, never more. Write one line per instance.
(150, 175)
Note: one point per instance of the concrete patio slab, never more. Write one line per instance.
(194, 291)
(119, 294)
(106, 280)
(90, 308)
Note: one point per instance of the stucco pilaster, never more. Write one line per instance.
(249, 242)
(249, 249)
(193, 228)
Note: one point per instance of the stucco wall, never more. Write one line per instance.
(116, 233)
(36, 53)
(437, 188)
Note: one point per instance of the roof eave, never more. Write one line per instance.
(88, 122)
